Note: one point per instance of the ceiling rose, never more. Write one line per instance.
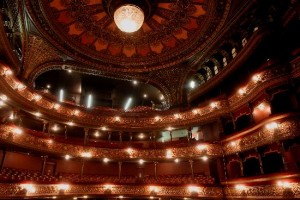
(129, 18)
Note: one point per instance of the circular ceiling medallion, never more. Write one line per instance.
(172, 31)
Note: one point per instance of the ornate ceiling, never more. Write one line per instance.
(85, 31)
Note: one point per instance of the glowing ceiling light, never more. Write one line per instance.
(71, 123)
(154, 189)
(28, 187)
(121, 197)
(117, 119)
(192, 84)
(56, 106)
(256, 78)
(261, 106)
(89, 101)
(76, 112)
(213, 105)
(69, 71)
(157, 118)
(129, 18)
(86, 155)
(242, 91)
(103, 128)
(169, 154)
(272, 126)
(1, 103)
(12, 116)
(127, 105)
(8, 72)
(55, 128)
(107, 187)
(169, 128)
(97, 134)
(232, 144)
(67, 157)
(48, 86)
(61, 95)
(195, 111)
(240, 187)
(145, 95)
(106, 160)
(193, 189)
(63, 186)
(38, 114)
(161, 97)
(3, 97)
(37, 97)
(18, 131)
(204, 158)
(176, 160)
(134, 82)
(201, 147)
(21, 86)
(141, 161)
(129, 150)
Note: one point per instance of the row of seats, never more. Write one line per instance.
(19, 175)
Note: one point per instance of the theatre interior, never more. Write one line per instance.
(149, 99)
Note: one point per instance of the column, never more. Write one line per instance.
(260, 162)
(82, 168)
(189, 134)
(130, 138)
(44, 164)
(44, 126)
(192, 168)
(120, 169)
(2, 159)
(155, 169)
(251, 112)
(66, 130)
(86, 134)
(109, 137)
(241, 164)
(120, 136)
(154, 139)
(233, 121)
(282, 152)
(171, 136)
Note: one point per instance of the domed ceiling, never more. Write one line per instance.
(173, 31)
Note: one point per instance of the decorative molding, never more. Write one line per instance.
(39, 190)
(287, 128)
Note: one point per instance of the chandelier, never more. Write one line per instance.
(129, 18)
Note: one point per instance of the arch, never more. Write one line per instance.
(243, 122)
(281, 102)
(234, 169)
(251, 167)
(272, 163)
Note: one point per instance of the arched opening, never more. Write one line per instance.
(281, 103)
(272, 163)
(234, 169)
(243, 122)
(251, 167)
